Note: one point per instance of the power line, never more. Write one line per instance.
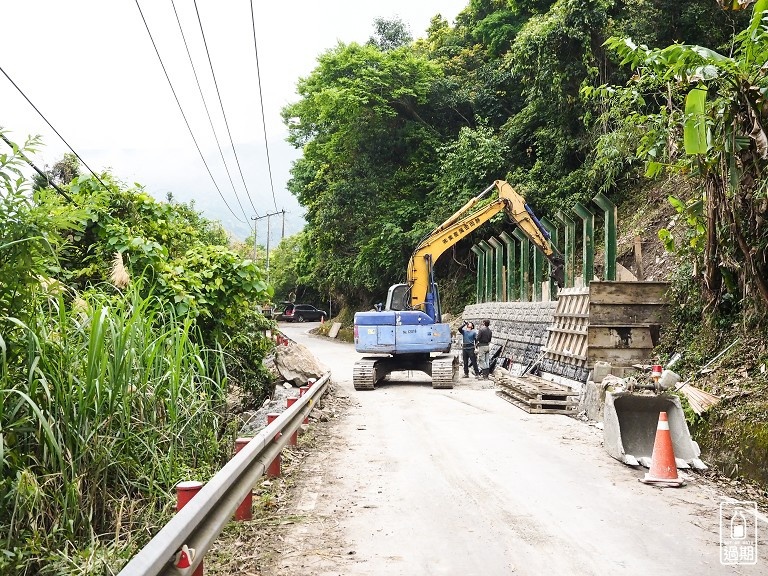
(185, 116)
(261, 100)
(205, 105)
(216, 84)
(23, 156)
(54, 129)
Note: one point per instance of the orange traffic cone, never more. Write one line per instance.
(663, 470)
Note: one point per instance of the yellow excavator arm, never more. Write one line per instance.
(464, 221)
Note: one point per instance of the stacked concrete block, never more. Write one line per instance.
(614, 322)
(519, 328)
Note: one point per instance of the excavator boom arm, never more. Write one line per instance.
(460, 224)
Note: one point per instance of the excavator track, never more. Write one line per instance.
(444, 370)
(364, 374)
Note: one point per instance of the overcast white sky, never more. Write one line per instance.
(90, 68)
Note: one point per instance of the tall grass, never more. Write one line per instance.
(105, 403)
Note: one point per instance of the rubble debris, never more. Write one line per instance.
(296, 364)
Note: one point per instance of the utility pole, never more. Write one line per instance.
(268, 235)
(256, 219)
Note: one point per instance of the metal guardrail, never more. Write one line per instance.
(200, 522)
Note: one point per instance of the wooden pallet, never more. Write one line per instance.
(536, 395)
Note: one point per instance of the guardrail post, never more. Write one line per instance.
(510, 244)
(273, 471)
(294, 439)
(610, 234)
(525, 257)
(245, 510)
(588, 241)
(498, 250)
(185, 491)
(480, 272)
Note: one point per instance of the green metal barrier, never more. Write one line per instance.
(480, 288)
(498, 257)
(488, 267)
(587, 242)
(502, 277)
(525, 259)
(569, 250)
(509, 246)
(610, 234)
(551, 227)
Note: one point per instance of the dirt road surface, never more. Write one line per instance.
(416, 481)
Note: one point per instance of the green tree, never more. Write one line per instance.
(286, 266)
(468, 164)
(62, 172)
(368, 153)
(721, 126)
(664, 22)
(32, 229)
(390, 34)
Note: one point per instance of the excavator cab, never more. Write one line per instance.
(398, 297)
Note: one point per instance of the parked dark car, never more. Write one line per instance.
(302, 313)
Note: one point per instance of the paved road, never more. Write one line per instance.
(414, 481)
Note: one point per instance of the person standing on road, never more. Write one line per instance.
(484, 336)
(469, 340)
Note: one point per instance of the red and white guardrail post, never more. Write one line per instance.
(185, 491)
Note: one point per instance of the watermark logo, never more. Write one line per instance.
(738, 533)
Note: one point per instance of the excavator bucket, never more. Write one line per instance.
(629, 429)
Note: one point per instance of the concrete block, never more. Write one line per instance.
(592, 401)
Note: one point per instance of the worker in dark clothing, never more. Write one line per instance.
(484, 336)
(469, 340)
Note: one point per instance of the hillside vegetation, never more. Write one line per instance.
(124, 324)
(126, 321)
(660, 105)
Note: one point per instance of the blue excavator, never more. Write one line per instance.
(408, 333)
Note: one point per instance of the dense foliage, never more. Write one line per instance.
(396, 136)
(661, 106)
(124, 322)
(713, 126)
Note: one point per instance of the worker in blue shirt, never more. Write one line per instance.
(469, 339)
